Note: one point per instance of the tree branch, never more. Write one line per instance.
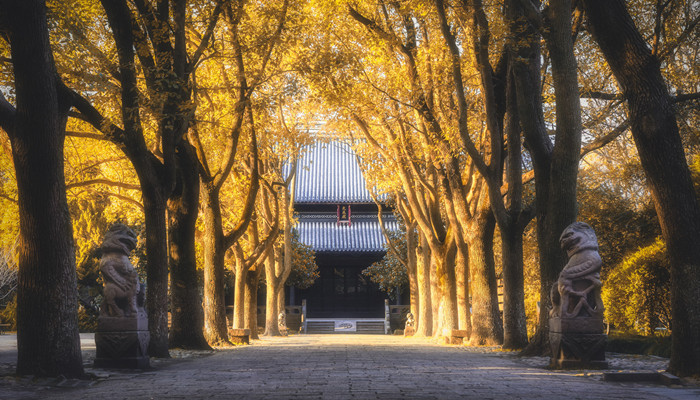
(92, 116)
(214, 19)
(605, 139)
(101, 181)
(88, 135)
(8, 198)
(593, 94)
(532, 14)
(686, 97)
(7, 116)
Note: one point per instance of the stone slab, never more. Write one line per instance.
(576, 325)
(578, 364)
(459, 333)
(651, 376)
(122, 349)
(118, 324)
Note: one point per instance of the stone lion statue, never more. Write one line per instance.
(410, 320)
(578, 286)
(282, 320)
(121, 282)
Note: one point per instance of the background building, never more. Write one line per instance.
(338, 219)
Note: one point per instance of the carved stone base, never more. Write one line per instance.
(458, 336)
(239, 336)
(577, 350)
(122, 343)
(409, 331)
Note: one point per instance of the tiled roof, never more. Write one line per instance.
(329, 173)
(322, 232)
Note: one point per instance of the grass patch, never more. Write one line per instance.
(636, 344)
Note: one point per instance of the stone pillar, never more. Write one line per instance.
(122, 342)
(577, 343)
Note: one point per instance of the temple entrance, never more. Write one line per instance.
(342, 291)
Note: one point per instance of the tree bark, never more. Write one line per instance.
(271, 296)
(187, 319)
(555, 165)
(154, 204)
(487, 328)
(251, 301)
(239, 293)
(514, 321)
(450, 320)
(215, 329)
(48, 343)
(463, 303)
(512, 226)
(425, 313)
(412, 268)
(655, 131)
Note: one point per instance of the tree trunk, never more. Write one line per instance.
(655, 131)
(271, 296)
(435, 295)
(462, 272)
(187, 319)
(411, 269)
(156, 270)
(449, 284)
(487, 329)
(215, 329)
(251, 301)
(239, 295)
(514, 321)
(425, 313)
(555, 165)
(512, 227)
(47, 324)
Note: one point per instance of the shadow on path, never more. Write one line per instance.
(345, 367)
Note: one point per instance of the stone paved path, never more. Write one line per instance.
(348, 367)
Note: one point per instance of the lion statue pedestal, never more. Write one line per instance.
(122, 334)
(576, 320)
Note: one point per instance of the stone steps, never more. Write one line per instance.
(327, 326)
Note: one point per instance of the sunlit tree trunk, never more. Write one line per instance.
(280, 266)
(450, 320)
(272, 309)
(487, 328)
(425, 313)
(462, 276)
(251, 301)
(239, 293)
(435, 295)
(215, 329)
(411, 269)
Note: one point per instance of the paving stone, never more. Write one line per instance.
(349, 367)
